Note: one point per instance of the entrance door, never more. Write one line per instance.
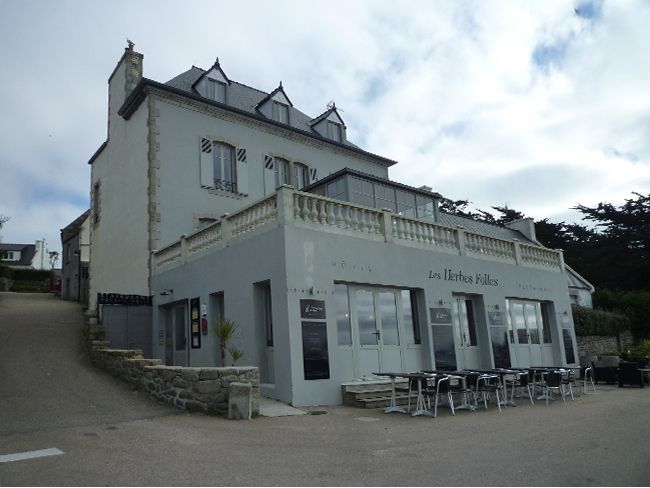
(176, 337)
(467, 348)
(527, 329)
(375, 320)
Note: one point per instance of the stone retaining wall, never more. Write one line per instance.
(194, 389)
(596, 345)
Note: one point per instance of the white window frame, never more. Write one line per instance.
(220, 166)
(281, 170)
(280, 112)
(215, 90)
(298, 170)
(334, 131)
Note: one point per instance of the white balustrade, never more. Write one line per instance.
(540, 256)
(168, 255)
(426, 233)
(322, 212)
(204, 238)
(476, 244)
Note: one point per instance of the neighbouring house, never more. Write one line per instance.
(212, 199)
(25, 256)
(580, 290)
(75, 242)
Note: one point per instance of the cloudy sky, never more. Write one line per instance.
(537, 105)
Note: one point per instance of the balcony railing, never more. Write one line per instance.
(307, 210)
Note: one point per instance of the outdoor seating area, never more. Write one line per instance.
(473, 390)
(611, 370)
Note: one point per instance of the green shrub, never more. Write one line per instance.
(642, 350)
(598, 322)
(6, 272)
(31, 274)
(30, 287)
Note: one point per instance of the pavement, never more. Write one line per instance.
(91, 429)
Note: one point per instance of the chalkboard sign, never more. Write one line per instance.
(312, 309)
(195, 323)
(314, 351)
(500, 349)
(495, 318)
(568, 346)
(444, 348)
(440, 315)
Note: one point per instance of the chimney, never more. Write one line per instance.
(525, 226)
(123, 80)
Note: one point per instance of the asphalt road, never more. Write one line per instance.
(110, 435)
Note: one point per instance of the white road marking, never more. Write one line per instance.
(19, 456)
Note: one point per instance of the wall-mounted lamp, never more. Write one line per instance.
(496, 307)
(440, 302)
(166, 291)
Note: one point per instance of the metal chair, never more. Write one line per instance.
(488, 384)
(442, 390)
(520, 380)
(553, 381)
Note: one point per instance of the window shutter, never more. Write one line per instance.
(207, 165)
(269, 175)
(242, 171)
(313, 175)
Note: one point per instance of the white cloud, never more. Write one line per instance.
(450, 89)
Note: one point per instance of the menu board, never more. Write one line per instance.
(444, 348)
(495, 318)
(440, 315)
(568, 346)
(314, 351)
(500, 348)
(195, 323)
(312, 309)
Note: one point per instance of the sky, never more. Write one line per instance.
(539, 106)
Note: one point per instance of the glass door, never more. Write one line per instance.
(377, 326)
(526, 330)
(467, 350)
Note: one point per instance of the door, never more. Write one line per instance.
(377, 327)
(466, 338)
(176, 337)
(525, 320)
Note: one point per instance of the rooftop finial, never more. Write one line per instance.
(130, 44)
(280, 83)
(331, 105)
(217, 61)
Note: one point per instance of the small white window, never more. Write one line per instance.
(300, 176)
(280, 112)
(11, 255)
(215, 90)
(281, 168)
(224, 167)
(334, 131)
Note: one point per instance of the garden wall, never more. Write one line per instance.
(194, 389)
(595, 345)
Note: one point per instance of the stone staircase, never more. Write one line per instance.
(374, 393)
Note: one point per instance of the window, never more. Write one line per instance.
(215, 90)
(224, 167)
(203, 222)
(300, 176)
(342, 314)
(409, 311)
(384, 197)
(267, 312)
(425, 207)
(281, 168)
(96, 202)
(405, 203)
(362, 192)
(334, 131)
(280, 112)
(11, 255)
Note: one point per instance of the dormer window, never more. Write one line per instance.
(215, 90)
(334, 131)
(280, 112)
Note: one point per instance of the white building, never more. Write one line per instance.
(353, 276)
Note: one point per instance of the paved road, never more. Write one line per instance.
(52, 398)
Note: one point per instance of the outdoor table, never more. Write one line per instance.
(461, 375)
(503, 372)
(544, 370)
(420, 406)
(393, 408)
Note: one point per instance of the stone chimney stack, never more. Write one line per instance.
(123, 80)
(526, 226)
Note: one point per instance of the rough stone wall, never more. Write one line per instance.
(193, 389)
(595, 345)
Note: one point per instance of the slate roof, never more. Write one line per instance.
(577, 281)
(27, 252)
(483, 228)
(74, 227)
(247, 99)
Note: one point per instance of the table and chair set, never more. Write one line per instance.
(468, 389)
